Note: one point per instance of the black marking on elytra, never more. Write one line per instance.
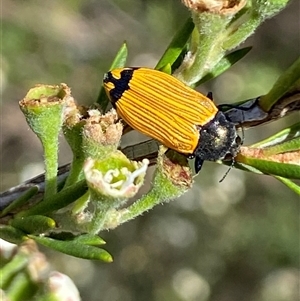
(120, 84)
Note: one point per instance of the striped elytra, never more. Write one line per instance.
(162, 107)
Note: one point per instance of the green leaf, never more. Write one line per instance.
(74, 248)
(86, 239)
(290, 133)
(293, 186)
(285, 83)
(176, 46)
(91, 240)
(34, 224)
(224, 64)
(118, 62)
(268, 167)
(58, 201)
(277, 155)
(166, 69)
(12, 235)
(287, 146)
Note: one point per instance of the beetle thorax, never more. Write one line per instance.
(217, 139)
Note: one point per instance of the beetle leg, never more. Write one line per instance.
(198, 164)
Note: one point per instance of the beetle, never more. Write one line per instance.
(163, 108)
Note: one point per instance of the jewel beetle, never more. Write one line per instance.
(163, 108)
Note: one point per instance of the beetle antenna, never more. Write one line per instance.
(228, 170)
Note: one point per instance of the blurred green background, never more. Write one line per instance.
(234, 241)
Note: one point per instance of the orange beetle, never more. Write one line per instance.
(163, 108)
